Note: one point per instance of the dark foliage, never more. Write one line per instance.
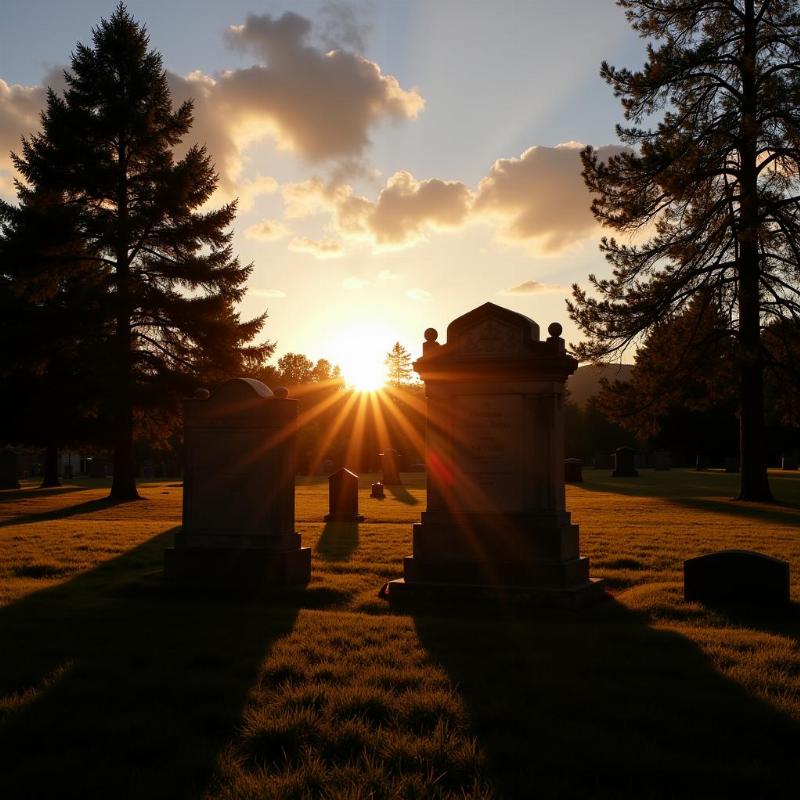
(709, 194)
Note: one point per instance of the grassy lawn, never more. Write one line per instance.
(115, 685)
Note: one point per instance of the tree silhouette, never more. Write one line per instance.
(710, 192)
(170, 277)
(398, 365)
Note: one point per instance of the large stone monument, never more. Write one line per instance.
(238, 496)
(495, 528)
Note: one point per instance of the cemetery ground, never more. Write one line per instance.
(114, 684)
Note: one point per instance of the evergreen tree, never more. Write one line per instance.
(171, 281)
(398, 365)
(715, 182)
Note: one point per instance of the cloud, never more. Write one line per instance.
(534, 287)
(320, 105)
(404, 211)
(420, 295)
(321, 248)
(540, 197)
(268, 230)
(354, 283)
(266, 292)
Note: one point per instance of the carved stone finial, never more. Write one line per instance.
(281, 392)
(555, 329)
(430, 344)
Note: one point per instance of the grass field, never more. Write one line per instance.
(115, 685)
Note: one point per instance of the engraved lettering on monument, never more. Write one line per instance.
(488, 452)
(491, 338)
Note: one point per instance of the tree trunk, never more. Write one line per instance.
(754, 483)
(50, 477)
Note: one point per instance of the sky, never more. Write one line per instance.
(397, 162)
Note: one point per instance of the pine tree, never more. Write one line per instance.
(171, 280)
(398, 365)
(715, 182)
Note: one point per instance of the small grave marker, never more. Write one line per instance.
(736, 577)
(624, 463)
(343, 497)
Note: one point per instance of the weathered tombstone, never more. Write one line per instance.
(789, 461)
(736, 577)
(624, 463)
(573, 470)
(662, 460)
(701, 463)
(238, 496)
(390, 467)
(495, 528)
(343, 497)
(731, 464)
(8, 470)
(376, 491)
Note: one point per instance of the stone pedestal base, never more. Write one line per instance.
(252, 568)
(404, 596)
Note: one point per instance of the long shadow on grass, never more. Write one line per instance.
(603, 706)
(26, 493)
(115, 685)
(401, 494)
(696, 490)
(337, 541)
(88, 507)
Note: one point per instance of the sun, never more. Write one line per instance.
(360, 351)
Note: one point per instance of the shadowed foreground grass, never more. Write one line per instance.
(112, 684)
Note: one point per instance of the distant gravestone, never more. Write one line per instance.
(376, 491)
(662, 460)
(238, 498)
(624, 463)
(701, 462)
(390, 467)
(343, 497)
(731, 464)
(736, 577)
(8, 470)
(573, 470)
(789, 461)
(495, 529)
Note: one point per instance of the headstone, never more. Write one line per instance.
(238, 497)
(736, 577)
(377, 491)
(789, 461)
(8, 470)
(343, 497)
(573, 470)
(624, 463)
(390, 460)
(701, 463)
(495, 529)
(662, 460)
(731, 464)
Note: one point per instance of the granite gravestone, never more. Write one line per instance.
(624, 463)
(496, 527)
(376, 491)
(789, 461)
(573, 470)
(238, 496)
(390, 467)
(343, 497)
(736, 577)
(8, 470)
